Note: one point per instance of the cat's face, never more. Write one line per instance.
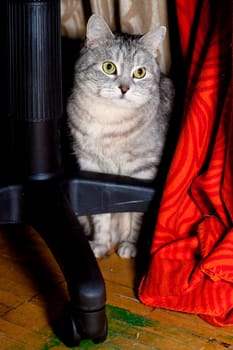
(118, 69)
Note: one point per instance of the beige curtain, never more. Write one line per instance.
(136, 17)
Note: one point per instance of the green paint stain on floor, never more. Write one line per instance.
(124, 328)
(128, 317)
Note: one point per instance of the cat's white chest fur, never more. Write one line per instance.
(104, 111)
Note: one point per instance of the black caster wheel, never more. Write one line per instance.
(76, 325)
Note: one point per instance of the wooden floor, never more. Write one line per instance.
(32, 292)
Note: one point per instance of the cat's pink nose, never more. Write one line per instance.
(123, 88)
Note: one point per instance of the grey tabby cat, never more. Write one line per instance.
(118, 117)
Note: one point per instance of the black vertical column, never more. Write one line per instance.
(31, 100)
(34, 85)
(5, 124)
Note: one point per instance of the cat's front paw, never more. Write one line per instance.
(100, 250)
(127, 250)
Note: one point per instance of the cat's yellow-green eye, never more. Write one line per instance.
(109, 68)
(139, 73)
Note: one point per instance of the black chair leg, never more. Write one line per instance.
(50, 214)
(33, 108)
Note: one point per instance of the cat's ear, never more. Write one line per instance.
(153, 39)
(97, 30)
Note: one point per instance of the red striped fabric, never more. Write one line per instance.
(191, 268)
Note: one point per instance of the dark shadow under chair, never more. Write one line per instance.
(35, 187)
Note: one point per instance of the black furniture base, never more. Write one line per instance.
(33, 186)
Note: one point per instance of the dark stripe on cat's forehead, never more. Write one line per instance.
(127, 42)
(123, 49)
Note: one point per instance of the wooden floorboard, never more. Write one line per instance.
(33, 290)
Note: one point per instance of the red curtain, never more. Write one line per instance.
(191, 267)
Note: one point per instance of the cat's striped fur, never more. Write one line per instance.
(118, 118)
